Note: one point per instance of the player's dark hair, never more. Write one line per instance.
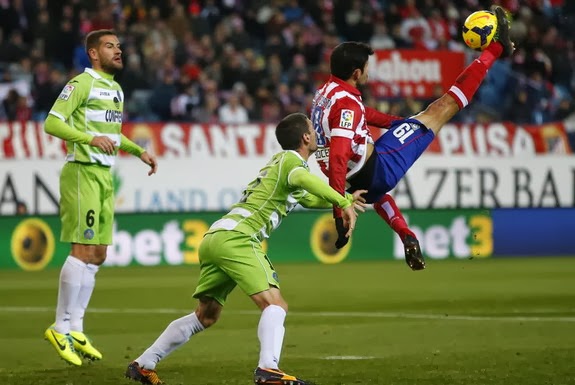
(347, 57)
(93, 38)
(290, 130)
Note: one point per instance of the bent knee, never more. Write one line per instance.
(275, 302)
(206, 320)
(208, 312)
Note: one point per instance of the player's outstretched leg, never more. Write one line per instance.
(63, 345)
(276, 377)
(413, 256)
(502, 34)
(137, 373)
(83, 346)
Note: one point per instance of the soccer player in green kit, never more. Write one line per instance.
(231, 253)
(88, 116)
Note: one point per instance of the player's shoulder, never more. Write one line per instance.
(80, 80)
(293, 160)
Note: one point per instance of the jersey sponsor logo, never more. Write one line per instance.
(105, 93)
(113, 116)
(66, 92)
(346, 120)
(322, 154)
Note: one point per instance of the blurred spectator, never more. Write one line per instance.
(11, 104)
(162, 94)
(232, 112)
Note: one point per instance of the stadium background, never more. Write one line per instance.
(206, 81)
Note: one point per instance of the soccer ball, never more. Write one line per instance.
(479, 29)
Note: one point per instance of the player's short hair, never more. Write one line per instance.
(290, 130)
(93, 38)
(347, 57)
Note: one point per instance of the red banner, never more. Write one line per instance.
(420, 74)
(177, 140)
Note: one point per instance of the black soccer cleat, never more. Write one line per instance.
(502, 34)
(275, 377)
(136, 373)
(413, 256)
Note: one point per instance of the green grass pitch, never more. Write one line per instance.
(468, 322)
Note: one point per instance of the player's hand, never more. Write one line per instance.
(359, 201)
(345, 226)
(151, 161)
(104, 143)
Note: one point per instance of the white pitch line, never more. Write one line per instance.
(325, 314)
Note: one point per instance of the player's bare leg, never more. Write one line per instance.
(460, 94)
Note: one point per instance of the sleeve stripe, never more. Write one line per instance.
(342, 133)
(61, 117)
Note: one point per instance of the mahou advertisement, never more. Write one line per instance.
(401, 73)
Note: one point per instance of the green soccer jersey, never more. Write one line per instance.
(91, 103)
(274, 193)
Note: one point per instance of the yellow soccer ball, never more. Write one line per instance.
(479, 29)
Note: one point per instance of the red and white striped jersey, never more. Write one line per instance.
(341, 122)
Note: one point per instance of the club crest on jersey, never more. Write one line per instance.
(346, 120)
(89, 234)
(66, 92)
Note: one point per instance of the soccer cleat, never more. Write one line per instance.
(63, 345)
(275, 377)
(145, 376)
(83, 346)
(413, 256)
(502, 34)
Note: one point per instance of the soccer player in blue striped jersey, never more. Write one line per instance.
(231, 253)
(88, 116)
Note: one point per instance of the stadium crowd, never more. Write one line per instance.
(235, 61)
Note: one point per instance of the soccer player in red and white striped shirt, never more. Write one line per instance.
(347, 153)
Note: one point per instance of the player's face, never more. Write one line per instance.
(109, 54)
(364, 75)
(313, 140)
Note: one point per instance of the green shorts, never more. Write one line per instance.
(230, 258)
(86, 204)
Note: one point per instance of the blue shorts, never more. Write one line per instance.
(395, 152)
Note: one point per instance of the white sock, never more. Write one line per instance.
(271, 335)
(79, 308)
(68, 289)
(176, 334)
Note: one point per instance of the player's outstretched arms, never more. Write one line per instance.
(151, 161)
